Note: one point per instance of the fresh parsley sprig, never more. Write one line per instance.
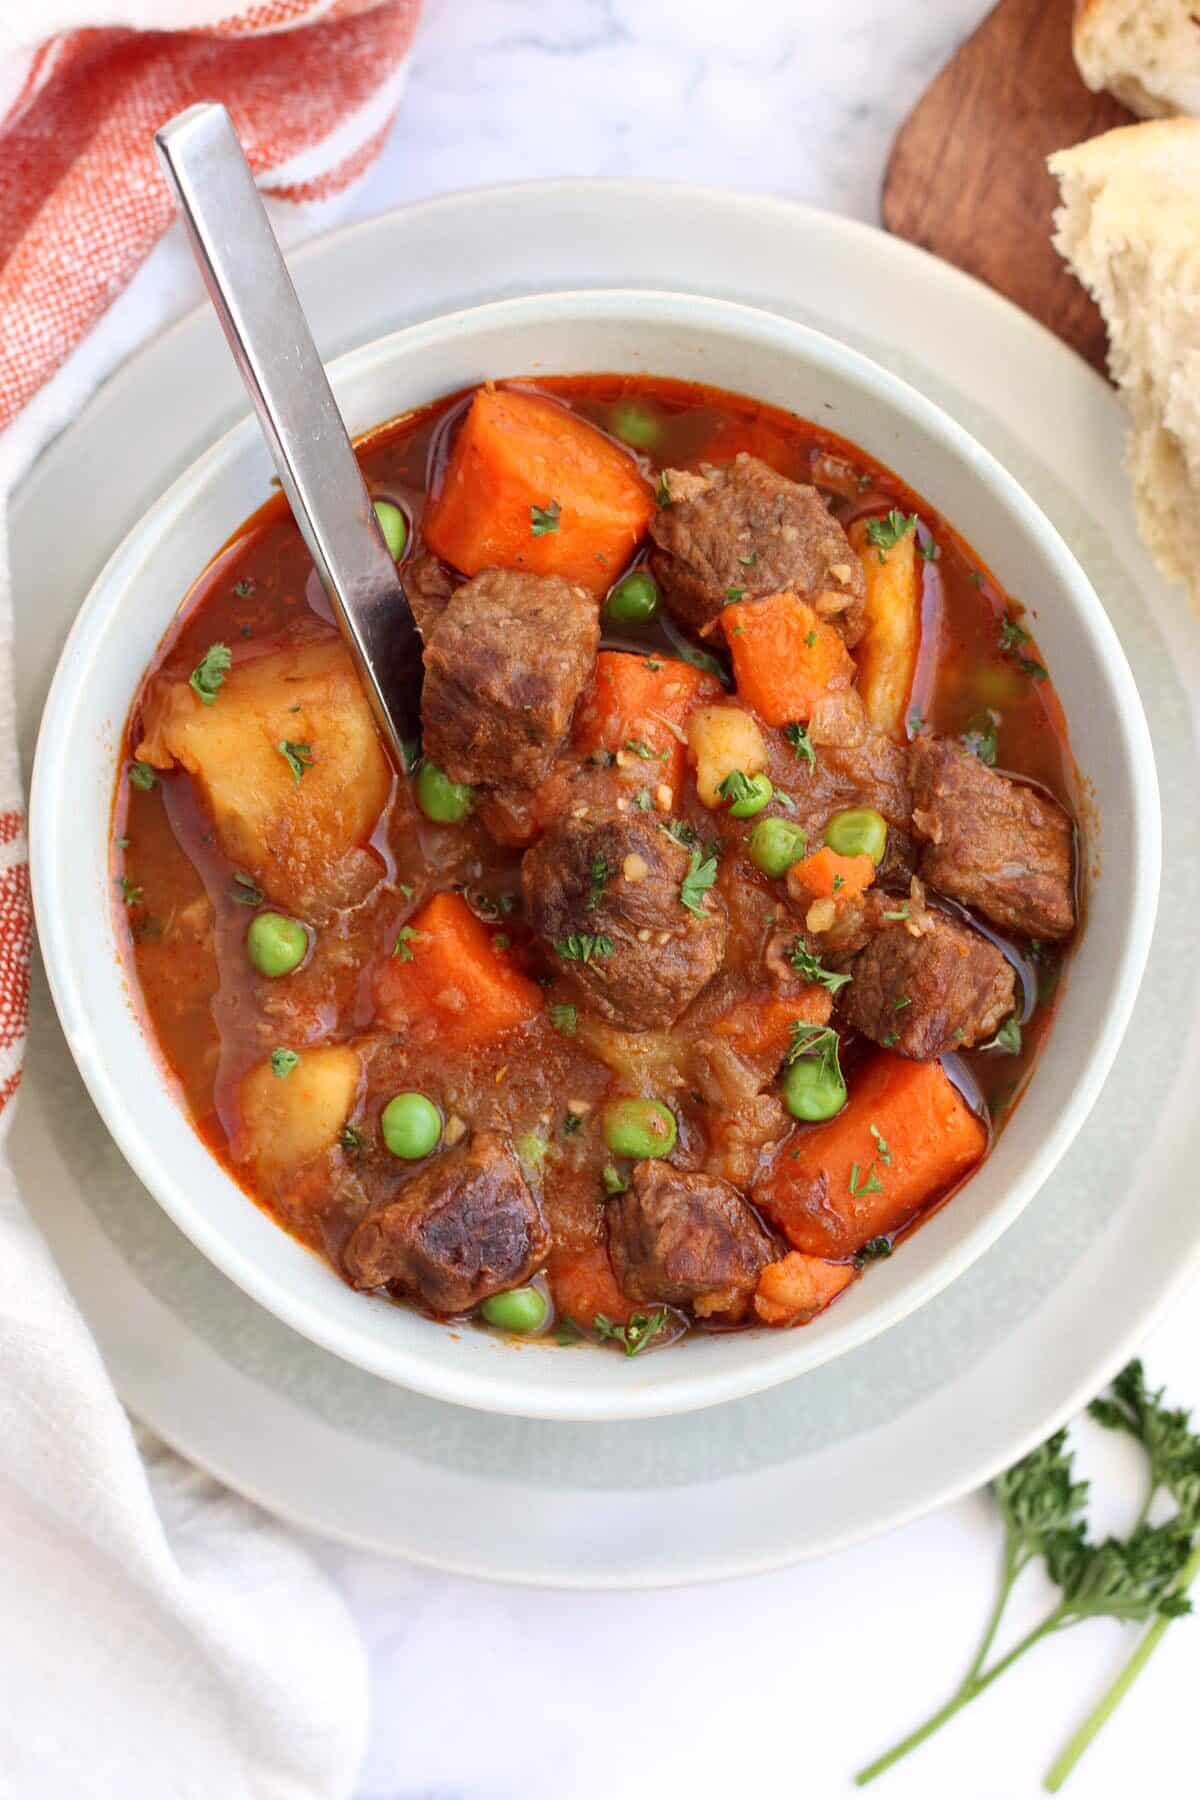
(702, 872)
(1142, 1578)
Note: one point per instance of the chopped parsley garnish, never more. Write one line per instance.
(564, 1018)
(977, 577)
(813, 969)
(821, 1042)
(612, 1181)
(121, 843)
(881, 1145)
(901, 912)
(642, 1327)
(283, 1062)
(501, 942)
(748, 562)
(916, 724)
(131, 895)
(734, 594)
(785, 800)
(702, 872)
(1008, 1038)
(245, 890)
(683, 831)
(653, 664)
(298, 757)
(638, 747)
(801, 743)
(864, 1184)
(1012, 635)
(405, 938)
(737, 786)
(142, 776)
(900, 1002)
(544, 519)
(662, 492)
(874, 1250)
(980, 737)
(839, 881)
(351, 1139)
(207, 677)
(886, 533)
(572, 1124)
(893, 1037)
(243, 589)
(643, 800)
(927, 548)
(599, 876)
(583, 947)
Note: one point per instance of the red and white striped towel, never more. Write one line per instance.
(160, 1637)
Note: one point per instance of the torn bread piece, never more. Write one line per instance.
(1145, 52)
(1129, 226)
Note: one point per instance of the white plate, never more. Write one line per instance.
(940, 1402)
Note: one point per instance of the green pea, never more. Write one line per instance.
(634, 425)
(760, 795)
(811, 1090)
(394, 527)
(276, 945)
(859, 831)
(444, 801)
(519, 1309)
(633, 600)
(775, 844)
(411, 1126)
(639, 1128)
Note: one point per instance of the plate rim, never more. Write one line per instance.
(1168, 1286)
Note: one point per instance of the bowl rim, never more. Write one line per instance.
(603, 1399)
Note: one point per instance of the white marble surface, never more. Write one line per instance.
(785, 1683)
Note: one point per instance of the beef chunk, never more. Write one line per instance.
(992, 842)
(742, 526)
(504, 666)
(467, 1226)
(428, 585)
(607, 898)
(681, 1239)
(944, 989)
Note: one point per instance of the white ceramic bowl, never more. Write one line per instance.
(118, 631)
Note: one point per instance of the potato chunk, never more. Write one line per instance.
(294, 835)
(887, 655)
(287, 1120)
(720, 740)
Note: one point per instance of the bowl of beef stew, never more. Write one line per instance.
(733, 958)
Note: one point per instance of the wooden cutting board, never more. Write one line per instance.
(967, 174)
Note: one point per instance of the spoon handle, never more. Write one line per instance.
(252, 292)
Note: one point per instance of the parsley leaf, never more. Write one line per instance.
(864, 1184)
(881, 1145)
(886, 533)
(662, 493)
(612, 1180)
(702, 872)
(283, 1062)
(245, 890)
(582, 947)
(1008, 1038)
(405, 938)
(737, 786)
(142, 776)
(572, 1123)
(683, 831)
(733, 595)
(642, 800)
(131, 895)
(980, 737)
(243, 589)
(813, 969)
(565, 1019)
(599, 876)
(639, 748)
(297, 756)
(351, 1139)
(874, 1250)
(544, 519)
(634, 1337)
(801, 743)
(208, 676)
(1012, 635)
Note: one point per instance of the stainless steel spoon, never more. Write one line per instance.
(248, 283)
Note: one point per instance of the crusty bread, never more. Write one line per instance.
(1129, 226)
(1146, 52)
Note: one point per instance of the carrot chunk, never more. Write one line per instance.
(583, 1285)
(642, 701)
(795, 1290)
(827, 876)
(905, 1137)
(449, 983)
(760, 1029)
(532, 486)
(784, 656)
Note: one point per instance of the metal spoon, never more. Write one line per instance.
(248, 284)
